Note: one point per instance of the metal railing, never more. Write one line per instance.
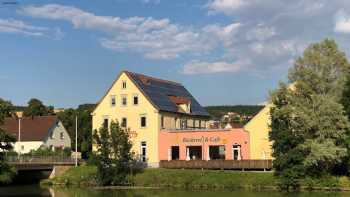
(218, 164)
(39, 159)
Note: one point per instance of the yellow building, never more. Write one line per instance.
(147, 105)
(258, 128)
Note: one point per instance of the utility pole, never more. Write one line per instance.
(19, 137)
(76, 140)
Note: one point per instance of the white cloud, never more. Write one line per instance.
(198, 67)
(151, 1)
(261, 33)
(342, 22)
(20, 27)
(226, 6)
(154, 38)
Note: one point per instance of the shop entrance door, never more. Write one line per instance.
(236, 152)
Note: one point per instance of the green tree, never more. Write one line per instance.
(309, 126)
(113, 154)
(6, 171)
(37, 108)
(83, 112)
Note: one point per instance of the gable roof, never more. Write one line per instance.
(161, 94)
(32, 129)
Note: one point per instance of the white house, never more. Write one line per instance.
(31, 133)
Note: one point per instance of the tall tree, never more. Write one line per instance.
(114, 154)
(83, 112)
(37, 108)
(6, 171)
(309, 127)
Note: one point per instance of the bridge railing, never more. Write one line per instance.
(39, 159)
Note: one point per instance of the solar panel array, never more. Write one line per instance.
(159, 91)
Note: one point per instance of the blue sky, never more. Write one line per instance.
(68, 52)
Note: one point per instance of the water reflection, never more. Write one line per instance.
(21, 191)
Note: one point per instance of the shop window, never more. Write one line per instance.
(193, 153)
(216, 152)
(175, 153)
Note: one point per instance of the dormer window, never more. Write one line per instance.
(183, 104)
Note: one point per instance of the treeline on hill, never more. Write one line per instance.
(218, 111)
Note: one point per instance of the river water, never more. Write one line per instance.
(35, 190)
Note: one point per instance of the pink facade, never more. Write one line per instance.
(228, 144)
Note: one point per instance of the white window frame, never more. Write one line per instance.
(143, 116)
(124, 85)
(115, 100)
(124, 96)
(133, 99)
(126, 125)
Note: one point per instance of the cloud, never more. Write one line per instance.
(226, 6)
(154, 38)
(342, 22)
(151, 1)
(198, 67)
(19, 27)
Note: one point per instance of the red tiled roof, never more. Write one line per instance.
(32, 129)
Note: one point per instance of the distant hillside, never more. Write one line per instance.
(218, 111)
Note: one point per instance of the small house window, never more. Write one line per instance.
(136, 100)
(124, 85)
(113, 101)
(124, 122)
(22, 147)
(124, 100)
(61, 136)
(143, 121)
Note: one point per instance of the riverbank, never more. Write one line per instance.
(85, 176)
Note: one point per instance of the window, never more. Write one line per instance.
(136, 100)
(124, 100)
(105, 123)
(124, 122)
(61, 136)
(162, 122)
(124, 85)
(143, 121)
(143, 151)
(22, 147)
(113, 101)
(200, 124)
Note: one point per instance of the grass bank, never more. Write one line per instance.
(198, 180)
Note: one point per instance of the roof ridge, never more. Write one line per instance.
(153, 78)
